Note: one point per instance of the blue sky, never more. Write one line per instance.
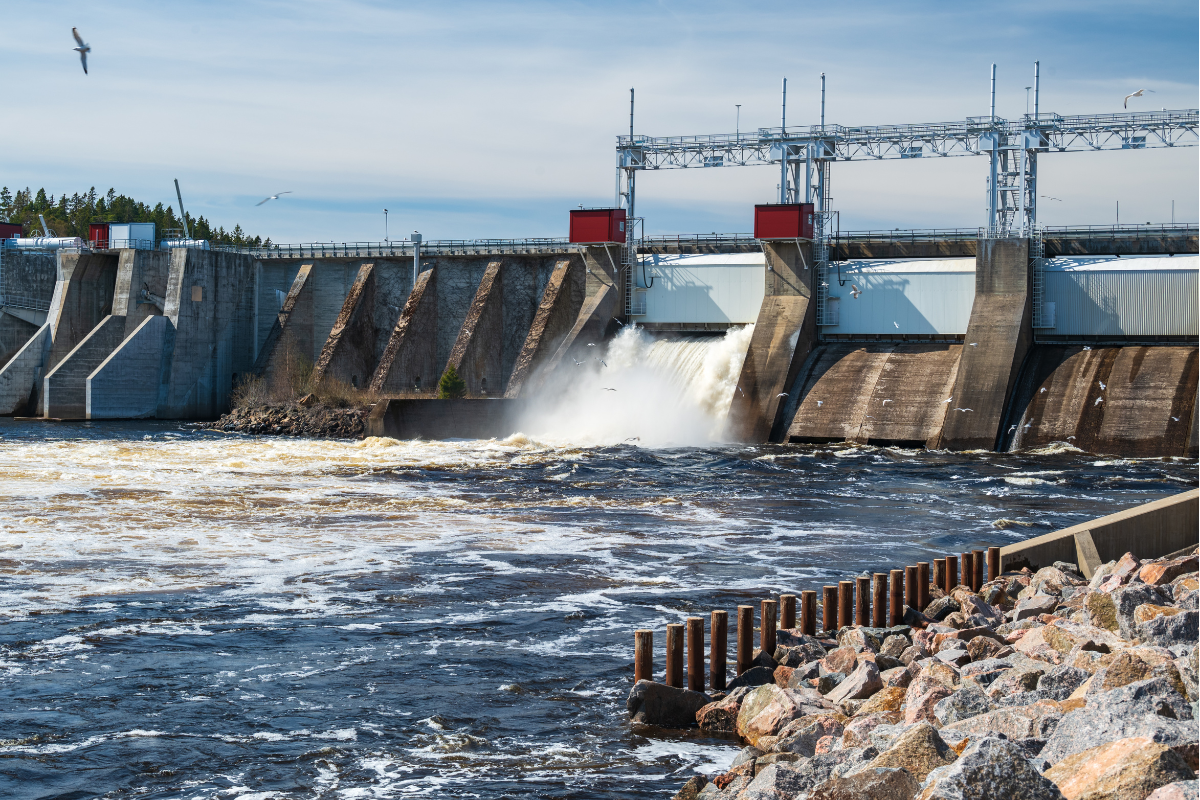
(472, 120)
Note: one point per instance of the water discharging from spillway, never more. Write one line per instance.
(651, 391)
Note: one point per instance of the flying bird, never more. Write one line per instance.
(83, 49)
(1174, 419)
(974, 344)
(1048, 197)
(1069, 438)
(897, 324)
(608, 389)
(1028, 425)
(578, 363)
(622, 324)
(1099, 400)
(743, 394)
(819, 402)
(885, 402)
(947, 400)
(275, 196)
(632, 438)
(591, 344)
(1138, 93)
(1043, 389)
(855, 291)
(1085, 347)
(1013, 428)
(602, 361)
(782, 394)
(1102, 386)
(964, 409)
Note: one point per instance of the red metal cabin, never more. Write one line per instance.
(589, 225)
(783, 221)
(98, 235)
(10, 229)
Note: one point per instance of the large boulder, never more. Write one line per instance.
(768, 709)
(1152, 709)
(1180, 790)
(1128, 598)
(1036, 605)
(755, 676)
(692, 789)
(802, 735)
(863, 682)
(1127, 769)
(1169, 631)
(839, 659)
(989, 769)
(1060, 682)
(1162, 572)
(776, 782)
(1034, 721)
(868, 784)
(1064, 636)
(968, 701)
(919, 750)
(719, 717)
(652, 703)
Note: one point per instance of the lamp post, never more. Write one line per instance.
(738, 125)
(416, 240)
(385, 229)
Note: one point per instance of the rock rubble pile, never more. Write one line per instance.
(1041, 685)
(304, 418)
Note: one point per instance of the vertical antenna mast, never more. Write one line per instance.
(182, 216)
(1036, 86)
(992, 112)
(783, 192)
(631, 112)
(822, 102)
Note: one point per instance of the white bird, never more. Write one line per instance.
(782, 394)
(275, 196)
(1138, 93)
(1048, 197)
(947, 400)
(83, 49)
(1028, 425)
(602, 361)
(1175, 419)
(1099, 400)
(964, 409)
(1043, 389)
(868, 416)
(855, 291)
(1102, 386)
(1069, 438)
(819, 402)
(608, 389)
(1085, 347)
(897, 324)
(578, 363)
(632, 438)
(1013, 428)
(885, 402)
(591, 344)
(974, 344)
(622, 324)
(743, 394)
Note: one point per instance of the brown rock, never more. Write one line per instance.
(783, 675)
(920, 750)
(868, 784)
(1064, 636)
(1127, 769)
(1146, 612)
(1127, 565)
(858, 685)
(1174, 791)
(719, 717)
(802, 735)
(1101, 611)
(858, 730)
(740, 771)
(840, 659)
(1161, 572)
(982, 647)
(1016, 722)
(899, 677)
(1014, 681)
(691, 790)
(920, 707)
(887, 700)
(765, 711)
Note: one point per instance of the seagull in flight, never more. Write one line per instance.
(83, 49)
(609, 390)
(1085, 347)
(602, 361)
(947, 400)
(1138, 93)
(897, 324)
(272, 197)
(885, 402)
(1013, 428)
(819, 402)
(855, 291)
(1048, 197)
(622, 324)
(591, 344)
(632, 438)
(1028, 425)
(1043, 389)
(964, 409)
(782, 394)
(578, 363)
(974, 344)
(1174, 419)
(1102, 386)
(1099, 400)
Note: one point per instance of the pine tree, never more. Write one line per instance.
(451, 387)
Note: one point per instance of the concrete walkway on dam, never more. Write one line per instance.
(947, 352)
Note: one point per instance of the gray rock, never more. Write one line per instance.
(692, 789)
(989, 769)
(1150, 708)
(1033, 606)
(748, 753)
(734, 788)
(987, 670)
(830, 681)
(1127, 598)
(882, 633)
(941, 608)
(856, 759)
(1167, 631)
(956, 656)
(895, 646)
(860, 684)
(1058, 683)
(818, 769)
(868, 784)
(807, 647)
(710, 792)
(912, 654)
(1179, 790)
(1069, 568)
(1022, 699)
(755, 676)
(652, 703)
(968, 701)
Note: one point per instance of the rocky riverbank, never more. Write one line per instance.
(302, 418)
(1040, 686)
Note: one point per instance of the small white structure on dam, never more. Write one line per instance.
(911, 297)
(715, 290)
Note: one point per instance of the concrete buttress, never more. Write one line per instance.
(477, 353)
(64, 389)
(409, 361)
(999, 336)
(291, 336)
(553, 320)
(784, 334)
(129, 383)
(349, 353)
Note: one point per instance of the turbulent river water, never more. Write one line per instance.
(186, 614)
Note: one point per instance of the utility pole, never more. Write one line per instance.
(738, 125)
(416, 240)
(783, 148)
(385, 228)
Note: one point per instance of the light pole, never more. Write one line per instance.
(385, 229)
(416, 240)
(1027, 88)
(738, 125)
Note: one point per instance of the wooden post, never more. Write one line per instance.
(897, 609)
(993, 563)
(967, 569)
(910, 587)
(880, 601)
(862, 600)
(643, 655)
(766, 626)
(745, 638)
(787, 611)
(829, 608)
(717, 650)
(922, 585)
(808, 613)
(951, 574)
(939, 573)
(845, 603)
(695, 653)
(977, 571)
(674, 655)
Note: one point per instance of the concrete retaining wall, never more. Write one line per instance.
(556, 314)
(444, 419)
(477, 354)
(64, 390)
(20, 374)
(1152, 530)
(128, 384)
(409, 361)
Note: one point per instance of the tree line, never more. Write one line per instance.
(71, 215)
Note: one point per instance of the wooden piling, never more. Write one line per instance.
(977, 571)
(829, 608)
(717, 650)
(951, 574)
(845, 603)
(808, 613)
(880, 601)
(922, 585)
(766, 626)
(674, 655)
(862, 600)
(643, 655)
(897, 598)
(745, 638)
(787, 611)
(967, 569)
(939, 573)
(993, 558)
(910, 586)
(695, 653)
